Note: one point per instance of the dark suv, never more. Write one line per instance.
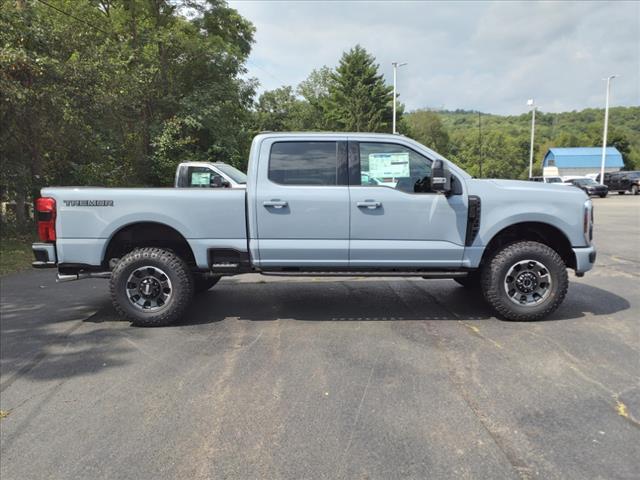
(622, 182)
(590, 187)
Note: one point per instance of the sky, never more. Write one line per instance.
(487, 56)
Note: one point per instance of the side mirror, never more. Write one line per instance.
(440, 177)
(226, 184)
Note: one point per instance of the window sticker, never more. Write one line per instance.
(385, 165)
(200, 178)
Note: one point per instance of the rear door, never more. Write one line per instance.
(396, 219)
(302, 203)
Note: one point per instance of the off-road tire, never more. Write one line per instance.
(202, 283)
(471, 281)
(494, 272)
(175, 268)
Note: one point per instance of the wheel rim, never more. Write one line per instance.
(149, 289)
(527, 283)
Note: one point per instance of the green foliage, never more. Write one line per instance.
(359, 100)
(117, 92)
(503, 141)
(426, 127)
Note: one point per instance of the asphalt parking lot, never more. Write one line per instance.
(316, 378)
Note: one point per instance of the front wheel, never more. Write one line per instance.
(525, 281)
(151, 287)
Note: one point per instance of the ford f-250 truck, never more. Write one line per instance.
(323, 204)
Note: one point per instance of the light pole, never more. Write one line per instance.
(606, 126)
(396, 65)
(531, 103)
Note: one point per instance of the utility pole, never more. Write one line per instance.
(480, 141)
(396, 65)
(531, 103)
(606, 127)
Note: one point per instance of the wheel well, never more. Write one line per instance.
(147, 234)
(537, 232)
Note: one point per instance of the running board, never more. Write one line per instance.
(455, 274)
(61, 277)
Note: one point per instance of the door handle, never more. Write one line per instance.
(275, 203)
(371, 204)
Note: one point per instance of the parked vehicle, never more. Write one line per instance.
(558, 180)
(622, 182)
(209, 175)
(306, 211)
(591, 187)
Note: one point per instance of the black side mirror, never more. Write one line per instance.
(440, 177)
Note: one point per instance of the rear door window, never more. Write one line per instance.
(304, 163)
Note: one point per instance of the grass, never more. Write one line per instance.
(15, 254)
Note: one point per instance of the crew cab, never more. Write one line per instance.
(209, 175)
(323, 204)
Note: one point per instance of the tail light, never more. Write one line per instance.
(46, 217)
(587, 222)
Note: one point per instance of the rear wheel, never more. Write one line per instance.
(151, 287)
(525, 281)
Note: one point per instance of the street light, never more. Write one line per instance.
(606, 126)
(396, 65)
(531, 103)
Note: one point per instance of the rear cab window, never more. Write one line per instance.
(304, 163)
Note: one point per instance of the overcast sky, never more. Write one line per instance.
(488, 56)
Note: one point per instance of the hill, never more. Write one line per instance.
(503, 140)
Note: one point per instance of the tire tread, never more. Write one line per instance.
(182, 295)
(491, 287)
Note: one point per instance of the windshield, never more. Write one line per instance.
(554, 180)
(233, 173)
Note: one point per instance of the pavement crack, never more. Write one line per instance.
(357, 417)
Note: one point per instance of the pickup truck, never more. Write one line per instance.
(323, 204)
(209, 175)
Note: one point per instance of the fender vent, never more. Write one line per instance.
(473, 220)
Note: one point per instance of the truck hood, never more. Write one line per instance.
(525, 186)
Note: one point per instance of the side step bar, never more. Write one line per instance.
(80, 276)
(453, 274)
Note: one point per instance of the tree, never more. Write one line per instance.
(426, 127)
(117, 92)
(359, 100)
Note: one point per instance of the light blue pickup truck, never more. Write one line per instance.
(323, 204)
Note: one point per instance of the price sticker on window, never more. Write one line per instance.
(385, 165)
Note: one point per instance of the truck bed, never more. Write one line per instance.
(87, 218)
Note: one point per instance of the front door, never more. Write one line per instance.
(396, 219)
(302, 204)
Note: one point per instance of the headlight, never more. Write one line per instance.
(587, 221)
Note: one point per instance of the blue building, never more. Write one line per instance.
(581, 160)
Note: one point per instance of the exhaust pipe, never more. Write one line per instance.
(81, 276)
